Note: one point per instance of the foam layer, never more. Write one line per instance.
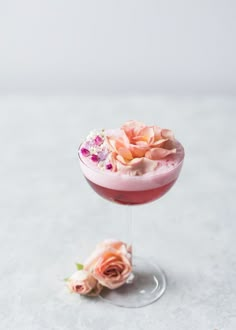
(167, 171)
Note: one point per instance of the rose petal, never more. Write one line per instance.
(116, 141)
(132, 124)
(111, 141)
(147, 134)
(122, 160)
(96, 290)
(157, 133)
(119, 144)
(169, 144)
(159, 144)
(113, 243)
(118, 245)
(137, 166)
(159, 153)
(82, 282)
(112, 159)
(139, 151)
(167, 133)
(125, 153)
(132, 127)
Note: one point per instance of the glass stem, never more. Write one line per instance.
(129, 222)
(129, 241)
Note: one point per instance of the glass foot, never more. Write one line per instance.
(147, 285)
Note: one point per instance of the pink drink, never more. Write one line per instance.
(130, 190)
(130, 197)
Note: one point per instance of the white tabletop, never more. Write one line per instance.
(50, 217)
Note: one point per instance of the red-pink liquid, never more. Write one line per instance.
(131, 197)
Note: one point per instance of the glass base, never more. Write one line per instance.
(146, 285)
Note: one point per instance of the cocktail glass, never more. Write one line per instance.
(147, 282)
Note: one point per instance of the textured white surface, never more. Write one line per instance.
(50, 218)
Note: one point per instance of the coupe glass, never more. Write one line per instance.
(147, 282)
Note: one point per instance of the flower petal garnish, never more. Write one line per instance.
(159, 153)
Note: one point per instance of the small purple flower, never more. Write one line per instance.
(102, 155)
(94, 158)
(98, 140)
(109, 166)
(87, 144)
(85, 152)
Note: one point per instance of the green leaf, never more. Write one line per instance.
(79, 266)
(66, 279)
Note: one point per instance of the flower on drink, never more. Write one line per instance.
(133, 149)
(96, 149)
(136, 148)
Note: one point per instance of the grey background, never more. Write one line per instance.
(50, 218)
(111, 46)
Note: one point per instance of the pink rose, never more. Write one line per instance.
(116, 244)
(82, 282)
(110, 263)
(137, 147)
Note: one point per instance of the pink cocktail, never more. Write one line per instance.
(116, 173)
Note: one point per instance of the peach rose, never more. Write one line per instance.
(137, 147)
(118, 245)
(82, 282)
(110, 263)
